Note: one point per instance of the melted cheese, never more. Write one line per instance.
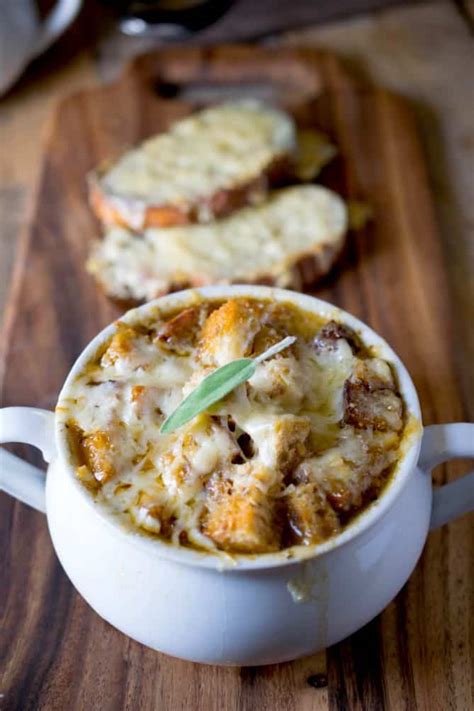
(314, 152)
(223, 147)
(290, 414)
(251, 244)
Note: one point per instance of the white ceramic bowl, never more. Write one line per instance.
(262, 609)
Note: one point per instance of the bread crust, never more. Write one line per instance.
(306, 271)
(221, 204)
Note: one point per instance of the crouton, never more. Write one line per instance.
(97, 450)
(332, 332)
(375, 374)
(180, 332)
(228, 332)
(279, 439)
(241, 519)
(380, 409)
(278, 380)
(310, 517)
(151, 515)
(120, 345)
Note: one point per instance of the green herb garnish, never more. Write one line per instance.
(218, 384)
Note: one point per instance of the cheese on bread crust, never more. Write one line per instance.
(205, 165)
(290, 457)
(290, 240)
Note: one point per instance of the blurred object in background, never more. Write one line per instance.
(24, 34)
(259, 19)
(167, 19)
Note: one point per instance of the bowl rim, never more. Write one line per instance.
(220, 560)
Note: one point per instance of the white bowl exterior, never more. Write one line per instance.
(181, 603)
(234, 616)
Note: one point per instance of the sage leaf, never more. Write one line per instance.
(217, 385)
(209, 391)
(273, 350)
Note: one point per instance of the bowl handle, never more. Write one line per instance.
(18, 478)
(441, 443)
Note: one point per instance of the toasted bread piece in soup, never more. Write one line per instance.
(287, 458)
(310, 519)
(240, 516)
(229, 332)
(291, 240)
(205, 166)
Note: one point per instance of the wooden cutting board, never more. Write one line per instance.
(55, 652)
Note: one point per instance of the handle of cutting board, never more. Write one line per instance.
(295, 75)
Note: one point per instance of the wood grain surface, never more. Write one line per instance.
(55, 653)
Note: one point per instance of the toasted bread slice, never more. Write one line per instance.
(207, 165)
(289, 241)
